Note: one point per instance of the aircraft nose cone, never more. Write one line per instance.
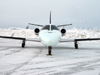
(49, 41)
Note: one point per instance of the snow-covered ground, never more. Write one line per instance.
(32, 60)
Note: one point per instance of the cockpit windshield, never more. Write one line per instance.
(47, 27)
(53, 27)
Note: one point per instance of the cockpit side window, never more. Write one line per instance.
(47, 27)
(53, 27)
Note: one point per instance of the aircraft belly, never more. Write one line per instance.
(50, 43)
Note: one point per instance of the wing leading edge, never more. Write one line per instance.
(17, 38)
(21, 38)
(87, 39)
(74, 40)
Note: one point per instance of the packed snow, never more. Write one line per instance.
(66, 60)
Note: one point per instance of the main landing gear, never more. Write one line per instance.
(76, 45)
(49, 50)
(23, 44)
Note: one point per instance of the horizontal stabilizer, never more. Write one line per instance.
(35, 24)
(64, 25)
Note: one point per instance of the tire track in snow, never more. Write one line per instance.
(66, 68)
(53, 69)
(81, 66)
(4, 49)
(74, 70)
(22, 64)
(9, 52)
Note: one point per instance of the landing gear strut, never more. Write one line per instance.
(76, 45)
(23, 44)
(49, 50)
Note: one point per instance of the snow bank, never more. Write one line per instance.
(17, 32)
(71, 33)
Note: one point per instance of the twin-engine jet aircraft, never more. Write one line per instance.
(49, 35)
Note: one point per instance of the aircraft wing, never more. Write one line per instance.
(33, 39)
(9, 37)
(87, 39)
(83, 39)
(67, 40)
(21, 38)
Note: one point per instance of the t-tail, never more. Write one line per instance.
(50, 23)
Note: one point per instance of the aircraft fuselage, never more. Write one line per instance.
(50, 37)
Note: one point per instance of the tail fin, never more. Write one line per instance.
(50, 17)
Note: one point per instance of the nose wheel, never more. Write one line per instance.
(49, 50)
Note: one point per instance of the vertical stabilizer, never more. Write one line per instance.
(50, 17)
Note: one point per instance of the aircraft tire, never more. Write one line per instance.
(49, 51)
(23, 45)
(76, 46)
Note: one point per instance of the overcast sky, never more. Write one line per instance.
(18, 13)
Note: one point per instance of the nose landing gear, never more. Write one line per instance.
(49, 50)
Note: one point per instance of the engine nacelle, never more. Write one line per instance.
(63, 31)
(37, 30)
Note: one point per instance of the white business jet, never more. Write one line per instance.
(49, 35)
